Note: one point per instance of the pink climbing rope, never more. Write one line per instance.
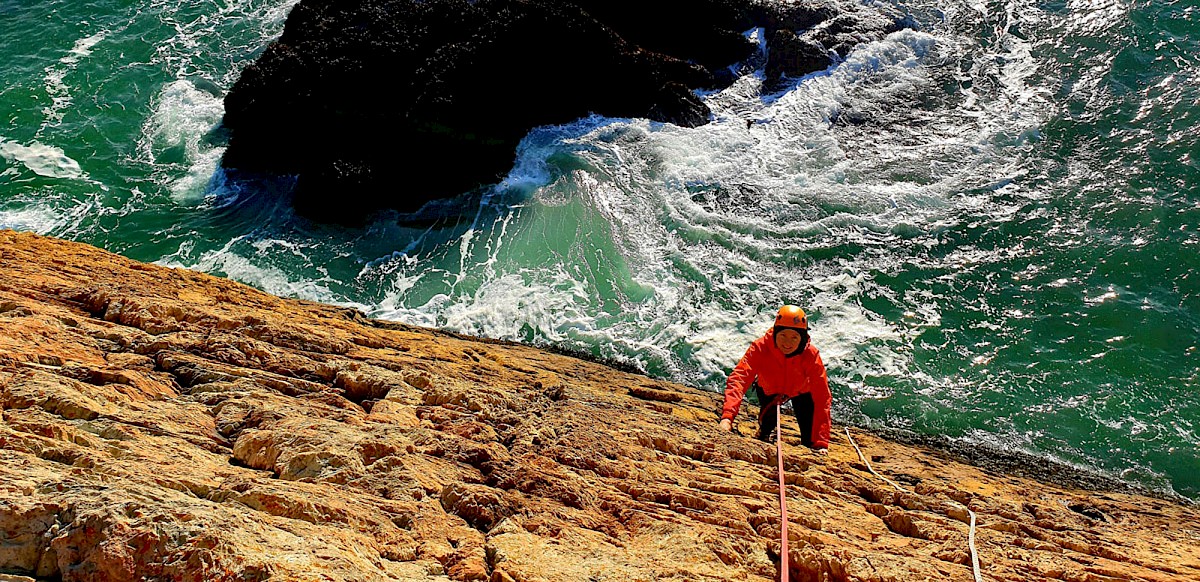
(783, 523)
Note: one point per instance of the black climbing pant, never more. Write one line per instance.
(802, 408)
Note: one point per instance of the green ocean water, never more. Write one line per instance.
(993, 219)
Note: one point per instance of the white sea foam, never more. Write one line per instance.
(183, 115)
(41, 159)
(82, 48)
(721, 337)
(504, 306)
(55, 79)
(39, 220)
(273, 17)
(52, 215)
(845, 326)
(193, 186)
(252, 261)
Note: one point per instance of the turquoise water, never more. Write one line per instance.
(994, 221)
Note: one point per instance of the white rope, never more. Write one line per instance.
(970, 536)
(868, 463)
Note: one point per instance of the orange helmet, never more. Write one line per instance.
(791, 316)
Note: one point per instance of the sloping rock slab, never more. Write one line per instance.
(410, 454)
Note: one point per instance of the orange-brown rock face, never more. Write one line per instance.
(165, 424)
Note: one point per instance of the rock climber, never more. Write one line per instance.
(783, 365)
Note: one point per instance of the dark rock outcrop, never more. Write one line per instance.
(391, 103)
(794, 53)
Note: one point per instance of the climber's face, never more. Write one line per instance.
(788, 340)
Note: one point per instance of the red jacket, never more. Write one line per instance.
(781, 375)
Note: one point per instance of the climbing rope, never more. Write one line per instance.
(783, 534)
(970, 536)
(868, 463)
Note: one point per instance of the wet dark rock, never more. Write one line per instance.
(388, 104)
(1087, 510)
(794, 56)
